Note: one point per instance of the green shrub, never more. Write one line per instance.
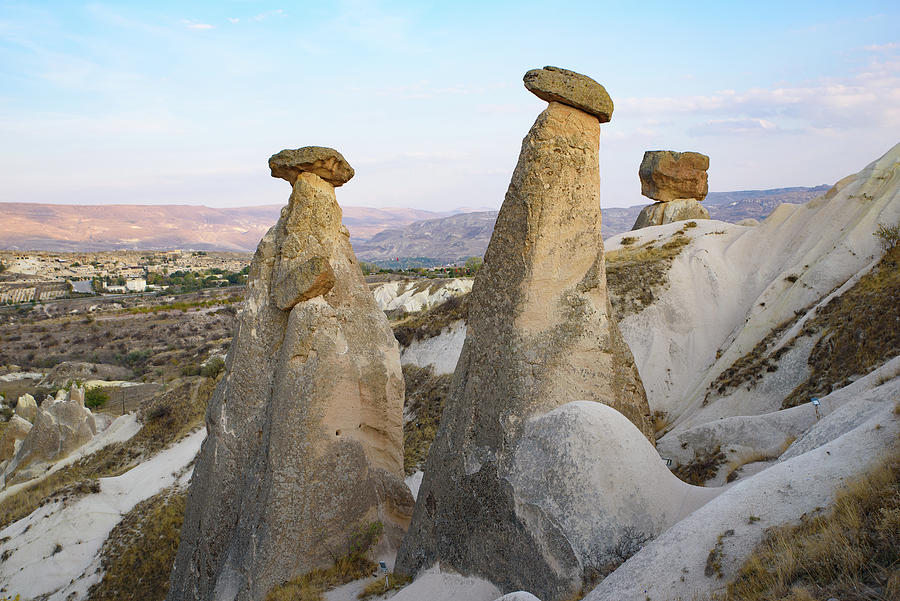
(95, 397)
(213, 367)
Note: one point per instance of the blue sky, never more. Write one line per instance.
(179, 102)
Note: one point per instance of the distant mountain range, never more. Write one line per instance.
(465, 235)
(28, 226)
(377, 234)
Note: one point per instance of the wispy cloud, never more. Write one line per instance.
(233, 20)
(882, 47)
(728, 127)
(869, 98)
(191, 24)
(278, 12)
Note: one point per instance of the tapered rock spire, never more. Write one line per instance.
(305, 429)
(540, 335)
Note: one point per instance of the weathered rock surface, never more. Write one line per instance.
(668, 175)
(660, 213)
(573, 89)
(539, 336)
(60, 427)
(327, 163)
(17, 429)
(305, 429)
(26, 407)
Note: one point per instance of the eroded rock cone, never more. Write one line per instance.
(539, 336)
(304, 436)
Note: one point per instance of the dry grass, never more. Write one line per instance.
(703, 467)
(431, 322)
(352, 566)
(166, 419)
(425, 395)
(138, 555)
(661, 423)
(635, 275)
(750, 369)
(859, 332)
(380, 587)
(735, 465)
(852, 552)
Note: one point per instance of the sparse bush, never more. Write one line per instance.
(690, 224)
(704, 466)
(888, 236)
(95, 397)
(190, 369)
(628, 240)
(213, 367)
(368, 268)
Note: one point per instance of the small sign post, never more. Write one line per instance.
(382, 567)
(815, 403)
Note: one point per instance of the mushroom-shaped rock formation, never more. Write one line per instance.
(570, 88)
(325, 162)
(678, 182)
(305, 430)
(540, 335)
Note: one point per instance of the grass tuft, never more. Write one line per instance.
(312, 585)
(850, 552)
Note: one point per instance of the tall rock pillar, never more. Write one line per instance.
(305, 429)
(540, 335)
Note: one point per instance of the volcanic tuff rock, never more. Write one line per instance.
(667, 175)
(327, 163)
(61, 425)
(16, 429)
(26, 407)
(660, 213)
(539, 336)
(574, 89)
(305, 428)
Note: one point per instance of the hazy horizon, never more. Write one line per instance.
(169, 103)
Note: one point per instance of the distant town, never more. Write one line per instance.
(35, 276)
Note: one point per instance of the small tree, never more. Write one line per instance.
(473, 264)
(368, 268)
(888, 236)
(95, 397)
